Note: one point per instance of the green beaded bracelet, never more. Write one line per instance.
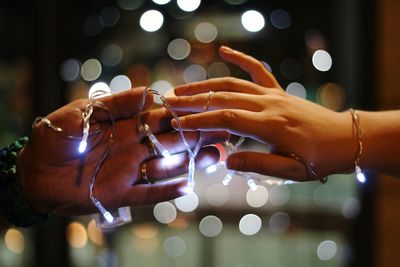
(13, 206)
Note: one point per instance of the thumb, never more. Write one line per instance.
(268, 164)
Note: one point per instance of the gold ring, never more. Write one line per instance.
(143, 173)
(207, 105)
(152, 148)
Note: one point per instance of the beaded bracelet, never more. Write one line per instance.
(12, 204)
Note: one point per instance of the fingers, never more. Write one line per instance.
(123, 105)
(217, 100)
(268, 164)
(254, 67)
(147, 194)
(164, 168)
(229, 84)
(224, 120)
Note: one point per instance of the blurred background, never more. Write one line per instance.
(338, 53)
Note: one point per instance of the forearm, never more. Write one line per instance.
(381, 141)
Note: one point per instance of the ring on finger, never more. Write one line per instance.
(143, 173)
(152, 148)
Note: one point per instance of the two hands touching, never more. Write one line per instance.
(54, 176)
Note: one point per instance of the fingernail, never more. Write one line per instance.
(227, 49)
(174, 124)
(266, 65)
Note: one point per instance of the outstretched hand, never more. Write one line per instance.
(261, 110)
(54, 176)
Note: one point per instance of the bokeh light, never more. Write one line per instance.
(120, 83)
(323, 195)
(91, 69)
(296, 89)
(187, 203)
(145, 231)
(322, 60)
(130, 4)
(111, 55)
(194, 73)
(174, 247)
(151, 20)
(109, 16)
(179, 49)
(99, 89)
(14, 240)
(279, 222)
(332, 96)
(162, 87)
(92, 25)
(210, 226)
(76, 235)
(188, 5)
(351, 208)
(70, 70)
(280, 19)
(164, 212)
(314, 39)
(161, 2)
(145, 239)
(205, 32)
(253, 21)
(235, 2)
(218, 69)
(326, 250)
(250, 224)
(257, 198)
(95, 234)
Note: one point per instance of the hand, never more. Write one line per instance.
(264, 112)
(54, 176)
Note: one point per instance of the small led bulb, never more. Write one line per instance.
(82, 146)
(360, 175)
(252, 184)
(107, 215)
(228, 177)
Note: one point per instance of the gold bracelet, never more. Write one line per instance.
(356, 122)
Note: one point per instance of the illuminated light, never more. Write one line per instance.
(322, 60)
(151, 20)
(257, 198)
(314, 39)
(109, 16)
(322, 195)
(351, 208)
(327, 250)
(161, 86)
(106, 257)
(290, 69)
(218, 69)
(217, 195)
(296, 89)
(253, 21)
(205, 32)
(252, 184)
(211, 169)
(82, 146)
(360, 175)
(91, 70)
(188, 5)
(179, 223)
(188, 189)
(109, 218)
(332, 96)
(99, 89)
(145, 231)
(171, 161)
(210, 226)
(281, 19)
(250, 224)
(279, 195)
(76, 235)
(111, 55)
(94, 233)
(164, 212)
(187, 203)
(174, 247)
(92, 25)
(228, 177)
(279, 222)
(164, 70)
(194, 73)
(179, 49)
(161, 2)
(14, 241)
(70, 70)
(130, 4)
(120, 83)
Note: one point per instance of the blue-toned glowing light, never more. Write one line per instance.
(211, 169)
(82, 146)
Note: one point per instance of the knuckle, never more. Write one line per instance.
(228, 117)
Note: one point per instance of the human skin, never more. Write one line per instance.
(54, 176)
(263, 111)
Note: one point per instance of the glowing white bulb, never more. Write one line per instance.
(82, 146)
(252, 184)
(108, 217)
(211, 168)
(253, 21)
(228, 177)
(151, 20)
(360, 175)
(188, 5)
